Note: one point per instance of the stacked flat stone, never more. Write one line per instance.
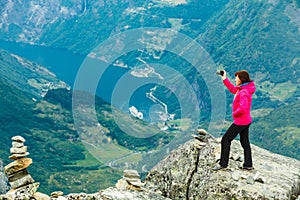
(18, 150)
(20, 180)
(133, 178)
(201, 137)
(131, 181)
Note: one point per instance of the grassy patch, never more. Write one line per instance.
(132, 158)
(280, 91)
(283, 91)
(261, 112)
(89, 160)
(107, 152)
(122, 156)
(184, 124)
(87, 181)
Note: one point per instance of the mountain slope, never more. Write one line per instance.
(27, 26)
(79, 26)
(47, 129)
(262, 37)
(279, 130)
(25, 75)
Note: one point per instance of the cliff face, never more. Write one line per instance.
(186, 174)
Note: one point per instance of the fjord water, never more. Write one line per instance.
(59, 61)
(66, 64)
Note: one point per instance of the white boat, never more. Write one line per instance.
(134, 111)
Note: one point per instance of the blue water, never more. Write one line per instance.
(60, 61)
(65, 65)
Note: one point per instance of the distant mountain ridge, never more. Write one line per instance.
(28, 26)
(80, 25)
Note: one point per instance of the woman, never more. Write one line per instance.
(241, 106)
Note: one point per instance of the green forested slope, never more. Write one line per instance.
(262, 37)
(52, 143)
(279, 131)
(58, 155)
(60, 159)
(27, 76)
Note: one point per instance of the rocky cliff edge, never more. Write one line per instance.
(186, 174)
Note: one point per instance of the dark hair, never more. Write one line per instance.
(243, 76)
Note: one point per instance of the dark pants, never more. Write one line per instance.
(230, 134)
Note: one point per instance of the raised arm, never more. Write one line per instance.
(233, 89)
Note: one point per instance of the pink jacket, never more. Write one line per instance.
(242, 101)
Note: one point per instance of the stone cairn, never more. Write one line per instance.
(201, 137)
(131, 181)
(21, 182)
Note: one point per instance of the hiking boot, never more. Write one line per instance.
(218, 167)
(246, 168)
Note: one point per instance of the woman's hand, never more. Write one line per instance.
(224, 75)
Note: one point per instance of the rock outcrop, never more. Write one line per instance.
(3, 180)
(186, 173)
